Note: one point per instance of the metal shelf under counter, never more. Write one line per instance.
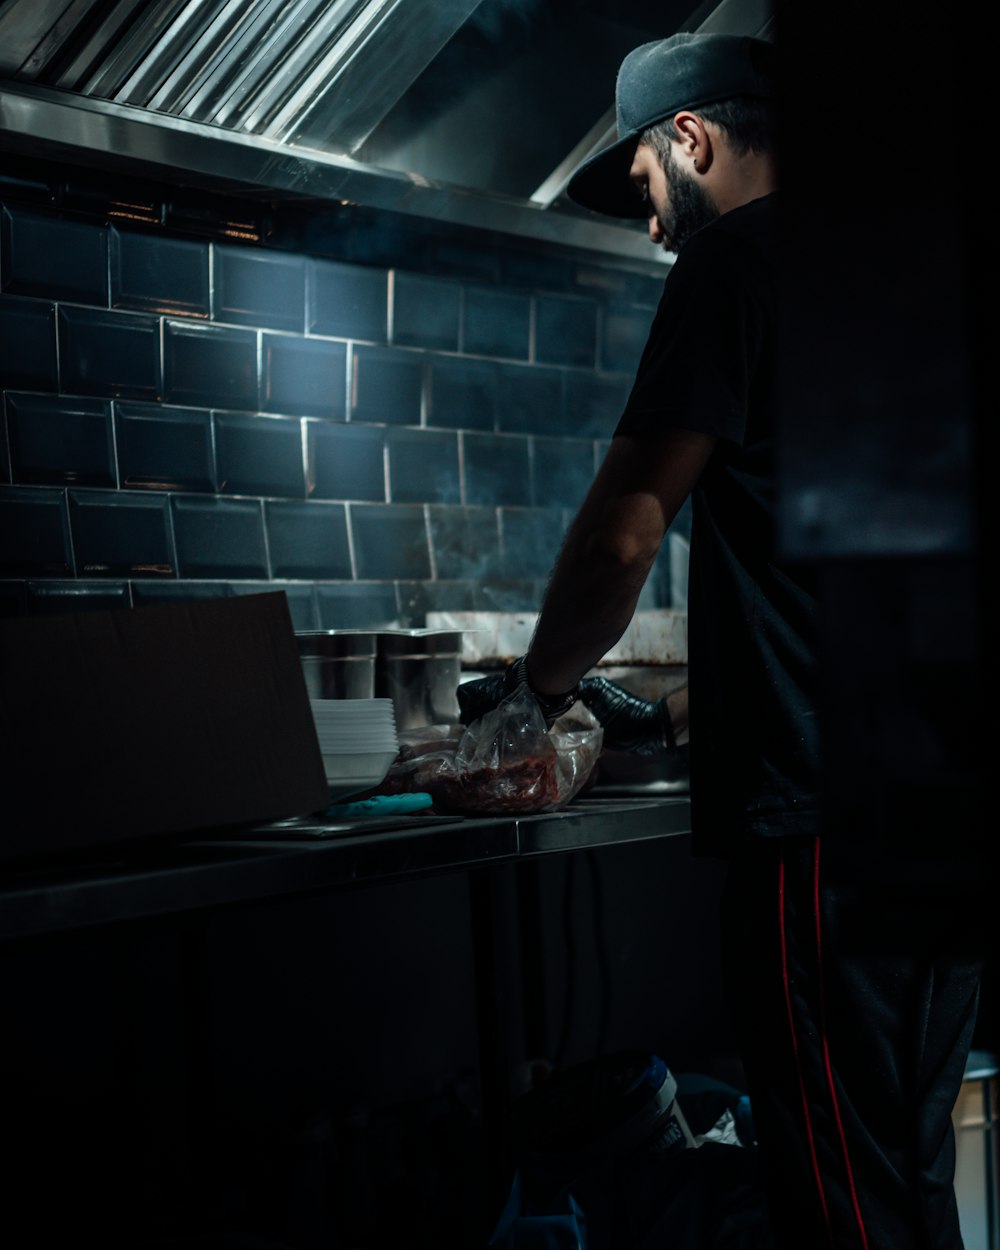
(224, 868)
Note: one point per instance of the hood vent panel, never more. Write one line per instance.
(472, 111)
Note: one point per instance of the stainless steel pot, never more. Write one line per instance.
(338, 663)
(419, 670)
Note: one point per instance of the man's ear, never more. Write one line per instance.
(694, 139)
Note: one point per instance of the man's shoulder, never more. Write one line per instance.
(748, 231)
(755, 222)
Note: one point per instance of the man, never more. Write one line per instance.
(853, 1057)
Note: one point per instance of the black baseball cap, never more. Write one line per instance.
(655, 81)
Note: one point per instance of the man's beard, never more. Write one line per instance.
(690, 207)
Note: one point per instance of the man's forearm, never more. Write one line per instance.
(589, 603)
(609, 551)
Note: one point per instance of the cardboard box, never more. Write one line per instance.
(126, 724)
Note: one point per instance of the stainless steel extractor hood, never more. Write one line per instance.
(470, 112)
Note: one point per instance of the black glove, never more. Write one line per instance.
(476, 698)
(630, 723)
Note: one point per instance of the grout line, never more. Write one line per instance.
(431, 558)
(304, 448)
(386, 467)
(461, 468)
(350, 388)
(114, 443)
(211, 281)
(69, 530)
(267, 544)
(390, 313)
(57, 335)
(349, 517)
(171, 533)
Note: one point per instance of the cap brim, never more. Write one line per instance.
(602, 182)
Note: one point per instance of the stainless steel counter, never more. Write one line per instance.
(222, 868)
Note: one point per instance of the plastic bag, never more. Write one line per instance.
(505, 762)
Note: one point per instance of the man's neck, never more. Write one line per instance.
(747, 178)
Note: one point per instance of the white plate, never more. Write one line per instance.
(347, 774)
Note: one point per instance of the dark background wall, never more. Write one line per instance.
(204, 395)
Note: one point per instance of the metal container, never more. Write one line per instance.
(338, 663)
(419, 670)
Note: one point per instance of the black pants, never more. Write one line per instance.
(855, 989)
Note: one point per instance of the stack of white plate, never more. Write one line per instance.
(358, 741)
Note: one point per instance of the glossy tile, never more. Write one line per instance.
(386, 385)
(48, 598)
(307, 539)
(390, 541)
(303, 377)
(116, 354)
(28, 344)
(345, 461)
(146, 593)
(60, 441)
(562, 471)
(164, 448)
(425, 312)
(219, 537)
(623, 336)
(121, 535)
(565, 331)
(357, 605)
(209, 366)
(45, 255)
(496, 323)
(301, 599)
(423, 466)
(159, 275)
(497, 469)
(462, 394)
(531, 400)
(34, 533)
(348, 301)
(595, 402)
(510, 594)
(254, 287)
(416, 599)
(465, 542)
(531, 538)
(537, 270)
(258, 455)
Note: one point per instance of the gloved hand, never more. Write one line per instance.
(476, 698)
(630, 723)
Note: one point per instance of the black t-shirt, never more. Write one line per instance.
(709, 365)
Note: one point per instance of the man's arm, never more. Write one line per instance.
(609, 551)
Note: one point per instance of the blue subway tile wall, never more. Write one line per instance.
(423, 465)
(258, 455)
(303, 376)
(164, 448)
(345, 461)
(386, 385)
(28, 344)
(159, 275)
(117, 534)
(59, 441)
(63, 259)
(109, 353)
(380, 417)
